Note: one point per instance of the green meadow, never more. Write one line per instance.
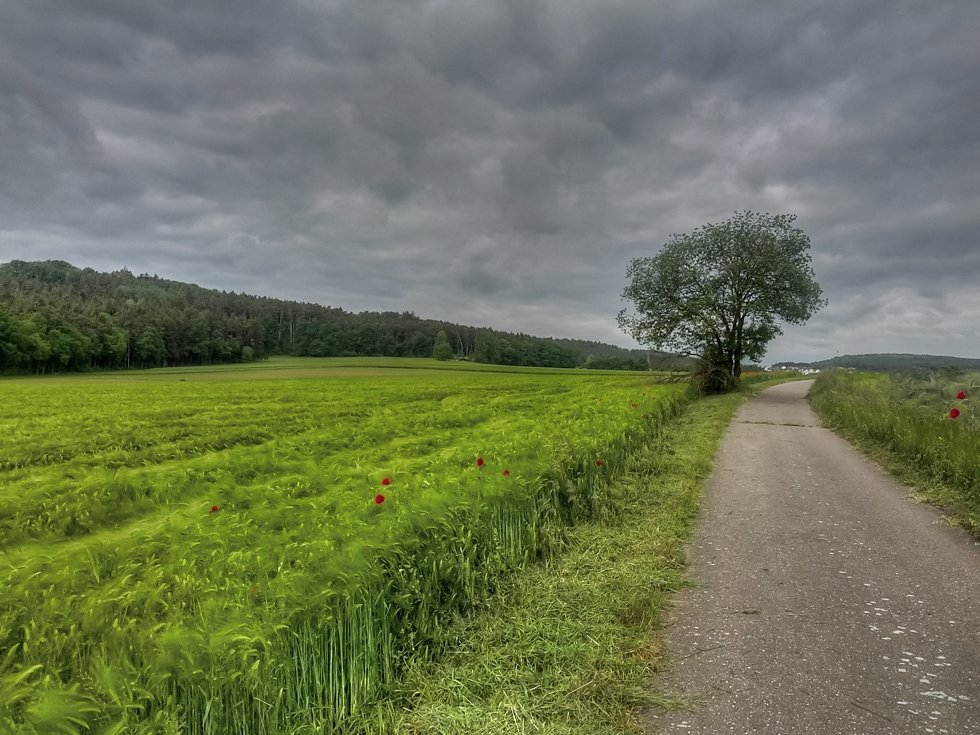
(263, 548)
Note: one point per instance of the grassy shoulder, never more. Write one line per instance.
(569, 645)
(905, 426)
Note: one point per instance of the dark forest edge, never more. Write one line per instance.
(55, 317)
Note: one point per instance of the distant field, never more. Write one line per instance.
(206, 550)
(324, 367)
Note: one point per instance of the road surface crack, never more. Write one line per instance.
(778, 423)
(871, 711)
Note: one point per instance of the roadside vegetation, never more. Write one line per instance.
(568, 646)
(202, 553)
(925, 429)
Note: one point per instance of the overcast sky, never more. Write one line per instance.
(500, 163)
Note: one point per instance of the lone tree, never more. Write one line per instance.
(718, 293)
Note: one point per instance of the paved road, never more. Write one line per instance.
(825, 602)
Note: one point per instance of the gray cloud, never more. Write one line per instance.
(501, 162)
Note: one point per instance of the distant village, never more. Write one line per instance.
(803, 370)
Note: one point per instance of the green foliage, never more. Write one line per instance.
(720, 292)
(150, 348)
(908, 419)
(57, 318)
(292, 606)
(712, 376)
(441, 349)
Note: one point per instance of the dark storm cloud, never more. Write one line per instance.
(500, 162)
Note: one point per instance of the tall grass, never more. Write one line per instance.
(569, 646)
(909, 420)
(125, 606)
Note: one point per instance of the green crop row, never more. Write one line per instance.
(213, 557)
(919, 422)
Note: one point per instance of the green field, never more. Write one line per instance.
(317, 367)
(919, 427)
(205, 551)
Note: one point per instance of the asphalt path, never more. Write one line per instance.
(824, 600)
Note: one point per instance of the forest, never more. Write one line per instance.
(55, 317)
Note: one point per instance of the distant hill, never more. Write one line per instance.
(56, 317)
(895, 363)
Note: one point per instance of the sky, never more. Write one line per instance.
(500, 163)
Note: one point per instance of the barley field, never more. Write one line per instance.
(261, 549)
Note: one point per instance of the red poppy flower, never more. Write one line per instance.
(386, 481)
(215, 508)
(506, 473)
(961, 395)
(379, 499)
(479, 461)
(954, 412)
(598, 463)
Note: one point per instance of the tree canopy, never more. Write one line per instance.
(720, 292)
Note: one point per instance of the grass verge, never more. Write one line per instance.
(904, 426)
(569, 645)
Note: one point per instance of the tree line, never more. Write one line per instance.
(55, 317)
(898, 363)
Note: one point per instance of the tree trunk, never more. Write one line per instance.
(737, 352)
